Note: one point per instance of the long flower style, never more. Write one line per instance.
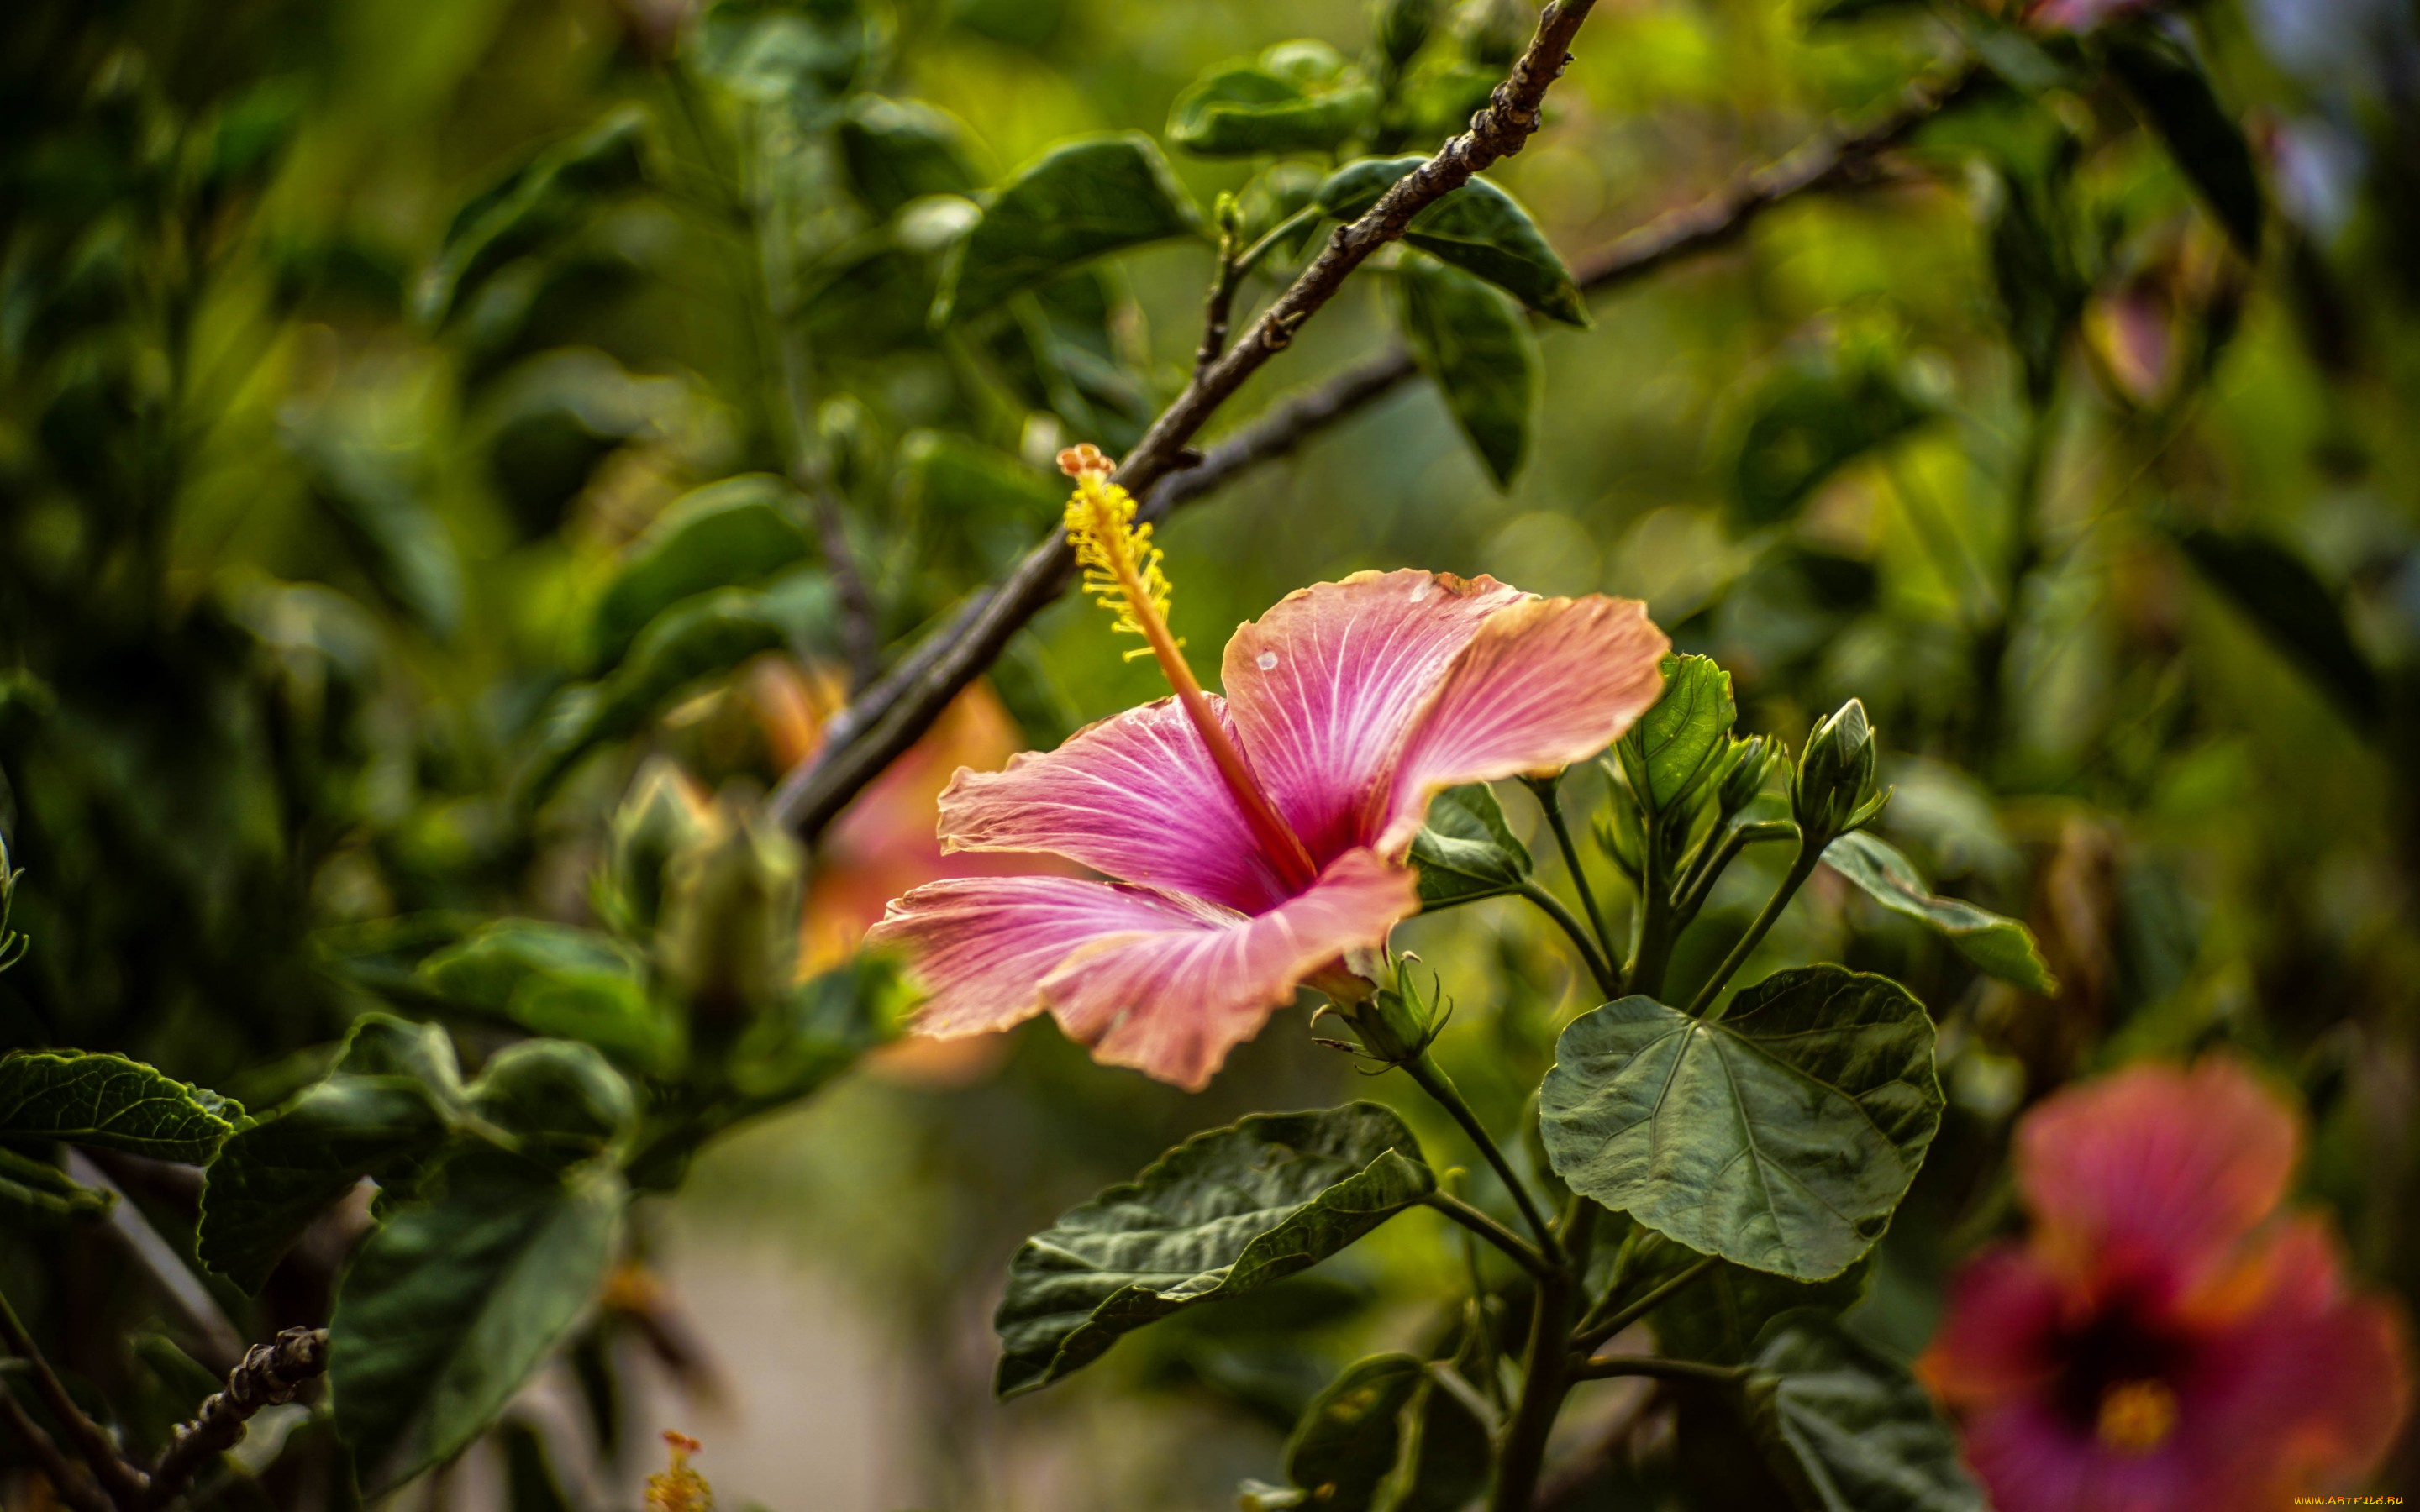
(1250, 842)
(2166, 1341)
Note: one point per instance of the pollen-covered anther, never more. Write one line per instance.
(1122, 567)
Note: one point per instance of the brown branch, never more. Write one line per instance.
(807, 800)
(123, 1484)
(890, 714)
(271, 1374)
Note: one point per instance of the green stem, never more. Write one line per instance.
(1660, 1369)
(1522, 1252)
(1439, 1087)
(1552, 802)
(1553, 908)
(1657, 917)
(1800, 869)
(1546, 1379)
(1595, 1330)
(1701, 880)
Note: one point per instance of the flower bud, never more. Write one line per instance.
(1833, 792)
(1394, 1023)
(729, 944)
(1403, 27)
(1493, 32)
(664, 814)
(1752, 759)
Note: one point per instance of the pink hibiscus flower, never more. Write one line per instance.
(2081, 15)
(2166, 1341)
(1251, 843)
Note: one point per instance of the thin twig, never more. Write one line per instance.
(1522, 1252)
(69, 1480)
(124, 1484)
(271, 1374)
(890, 714)
(1497, 130)
(1656, 1367)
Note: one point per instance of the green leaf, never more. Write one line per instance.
(1720, 1316)
(562, 1101)
(453, 1304)
(1848, 1430)
(1466, 851)
(898, 150)
(1449, 1460)
(110, 1103)
(41, 1191)
(1479, 228)
(1346, 1444)
(1808, 421)
(2175, 96)
(392, 1103)
(798, 54)
(1996, 944)
(1474, 345)
(1298, 97)
(727, 534)
(1685, 739)
(561, 981)
(823, 1026)
(2272, 585)
(535, 203)
(696, 639)
(2035, 264)
(1080, 200)
(1781, 1137)
(1222, 1214)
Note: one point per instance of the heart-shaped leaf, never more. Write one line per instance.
(1349, 1438)
(1466, 851)
(1479, 228)
(561, 1101)
(1996, 944)
(535, 203)
(1080, 200)
(562, 981)
(802, 54)
(110, 1103)
(1781, 1137)
(1847, 1428)
(1222, 1214)
(452, 1303)
(1473, 343)
(898, 150)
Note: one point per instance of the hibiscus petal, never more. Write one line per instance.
(1135, 795)
(1171, 1003)
(1323, 687)
(979, 947)
(1545, 683)
(2001, 1331)
(2157, 1171)
(2302, 1391)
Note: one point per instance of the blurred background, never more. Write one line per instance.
(315, 466)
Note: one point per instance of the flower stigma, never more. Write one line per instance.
(1123, 572)
(2137, 1416)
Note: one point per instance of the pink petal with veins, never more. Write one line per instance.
(1172, 1002)
(979, 947)
(1546, 682)
(1323, 687)
(1134, 797)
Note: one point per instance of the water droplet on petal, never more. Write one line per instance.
(1267, 659)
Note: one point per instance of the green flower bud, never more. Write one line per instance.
(729, 944)
(1752, 759)
(1833, 791)
(1395, 1024)
(1403, 27)
(663, 816)
(1493, 32)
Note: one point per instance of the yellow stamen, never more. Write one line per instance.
(679, 1489)
(1122, 569)
(2137, 1416)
